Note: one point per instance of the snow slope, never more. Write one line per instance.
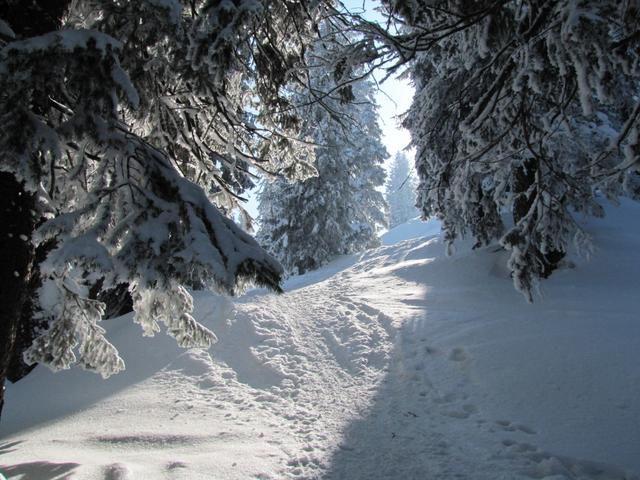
(414, 228)
(398, 363)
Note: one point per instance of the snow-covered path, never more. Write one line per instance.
(269, 400)
(398, 363)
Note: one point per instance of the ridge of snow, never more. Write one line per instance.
(414, 228)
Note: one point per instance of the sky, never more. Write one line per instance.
(393, 99)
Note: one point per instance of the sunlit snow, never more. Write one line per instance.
(396, 363)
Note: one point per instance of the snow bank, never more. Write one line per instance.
(412, 229)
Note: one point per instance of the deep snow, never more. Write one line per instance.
(397, 363)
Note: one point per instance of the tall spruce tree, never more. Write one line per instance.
(401, 191)
(128, 130)
(340, 210)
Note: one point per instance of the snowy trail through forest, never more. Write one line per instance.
(397, 363)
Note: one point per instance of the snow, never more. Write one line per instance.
(396, 363)
(67, 40)
(414, 228)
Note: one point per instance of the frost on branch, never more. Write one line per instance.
(152, 232)
(138, 125)
(340, 210)
(217, 113)
(73, 325)
(171, 307)
(528, 108)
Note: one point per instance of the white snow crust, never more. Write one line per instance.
(397, 363)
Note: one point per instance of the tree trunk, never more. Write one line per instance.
(16, 265)
(29, 325)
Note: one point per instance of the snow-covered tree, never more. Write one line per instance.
(401, 191)
(529, 107)
(121, 123)
(340, 210)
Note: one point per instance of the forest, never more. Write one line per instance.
(134, 133)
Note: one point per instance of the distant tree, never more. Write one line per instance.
(401, 191)
(529, 107)
(340, 210)
(128, 133)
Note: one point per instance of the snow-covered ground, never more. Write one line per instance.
(397, 363)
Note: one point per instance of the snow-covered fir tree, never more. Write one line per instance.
(128, 131)
(401, 191)
(340, 210)
(528, 107)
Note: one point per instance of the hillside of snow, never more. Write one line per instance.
(397, 363)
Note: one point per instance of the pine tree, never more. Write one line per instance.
(340, 210)
(400, 191)
(527, 107)
(121, 123)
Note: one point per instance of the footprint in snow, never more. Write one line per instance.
(458, 355)
(548, 466)
(519, 447)
(450, 397)
(456, 414)
(507, 426)
(175, 465)
(431, 350)
(117, 471)
(369, 310)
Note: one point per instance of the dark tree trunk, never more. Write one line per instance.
(525, 178)
(29, 325)
(19, 276)
(16, 267)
